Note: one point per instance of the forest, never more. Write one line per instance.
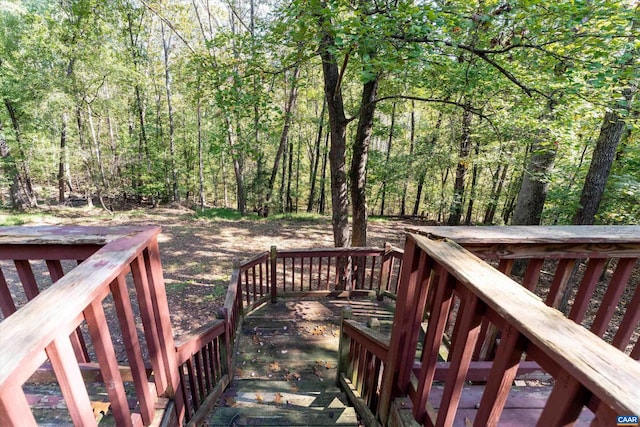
(457, 112)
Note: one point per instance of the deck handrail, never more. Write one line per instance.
(589, 371)
(62, 307)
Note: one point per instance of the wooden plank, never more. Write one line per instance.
(609, 374)
(7, 305)
(612, 295)
(503, 372)
(470, 318)
(629, 323)
(586, 288)
(131, 343)
(188, 344)
(69, 377)
(607, 234)
(43, 250)
(14, 408)
(565, 402)
(560, 281)
(27, 278)
(59, 307)
(105, 353)
(433, 338)
(67, 235)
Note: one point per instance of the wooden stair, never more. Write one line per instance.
(287, 365)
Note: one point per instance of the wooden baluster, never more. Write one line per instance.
(246, 288)
(27, 278)
(301, 274)
(565, 402)
(503, 372)
(470, 318)
(372, 272)
(14, 407)
(138, 271)
(160, 307)
(343, 344)
(7, 305)
(193, 386)
(63, 360)
(629, 322)
(77, 340)
(206, 365)
(273, 258)
(435, 331)
(189, 410)
(560, 281)
(595, 266)
(105, 353)
(532, 274)
(612, 296)
(255, 285)
(127, 323)
(261, 282)
(635, 353)
(199, 372)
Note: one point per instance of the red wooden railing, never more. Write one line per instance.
(102, 265)
(47, 327)
(318, 272)
(468, 304)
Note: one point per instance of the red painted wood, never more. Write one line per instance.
(629, 322)
(163, 320)
(503, 372)
(565, 402)
(389, 388)
(273, 259)
(105, 353)
(127, 323)
(199, 373)
(612, 296)
(433, 338)
(47, 251)
(6, 300)
(189, 409)
(77, 340)
(14, 407)
(470, 318)
(635, 353)
(595, 266)
(67, 371)
(27, 278)
(560, 280)
(532, 274)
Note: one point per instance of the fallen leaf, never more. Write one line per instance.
(259, 398)
(229, 401)
(275, 367)
(278, 399)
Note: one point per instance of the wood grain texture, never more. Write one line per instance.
(607, 372)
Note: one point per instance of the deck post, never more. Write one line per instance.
(273, 257)
(385, 270)
(343, 345)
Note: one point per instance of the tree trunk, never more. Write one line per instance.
(241, 201)
(474, 180)
(316, 159)
(172, 142)
(384, 180)
(284, 137)
(323, 178)
(288, 200)
(535, 184)
(455, 211)
(412, 140)
(18, 198)
(62, 158)
(22, 170)
(201, 197)
(358, 170)
(338, 125)
(423, 172)
(603, 156)
(496, 189)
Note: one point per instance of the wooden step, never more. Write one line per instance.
(282, 416)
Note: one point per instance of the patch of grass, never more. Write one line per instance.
(18, 218)
(177, 287)
(377, 218)
(298, 217)
(222, 213)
